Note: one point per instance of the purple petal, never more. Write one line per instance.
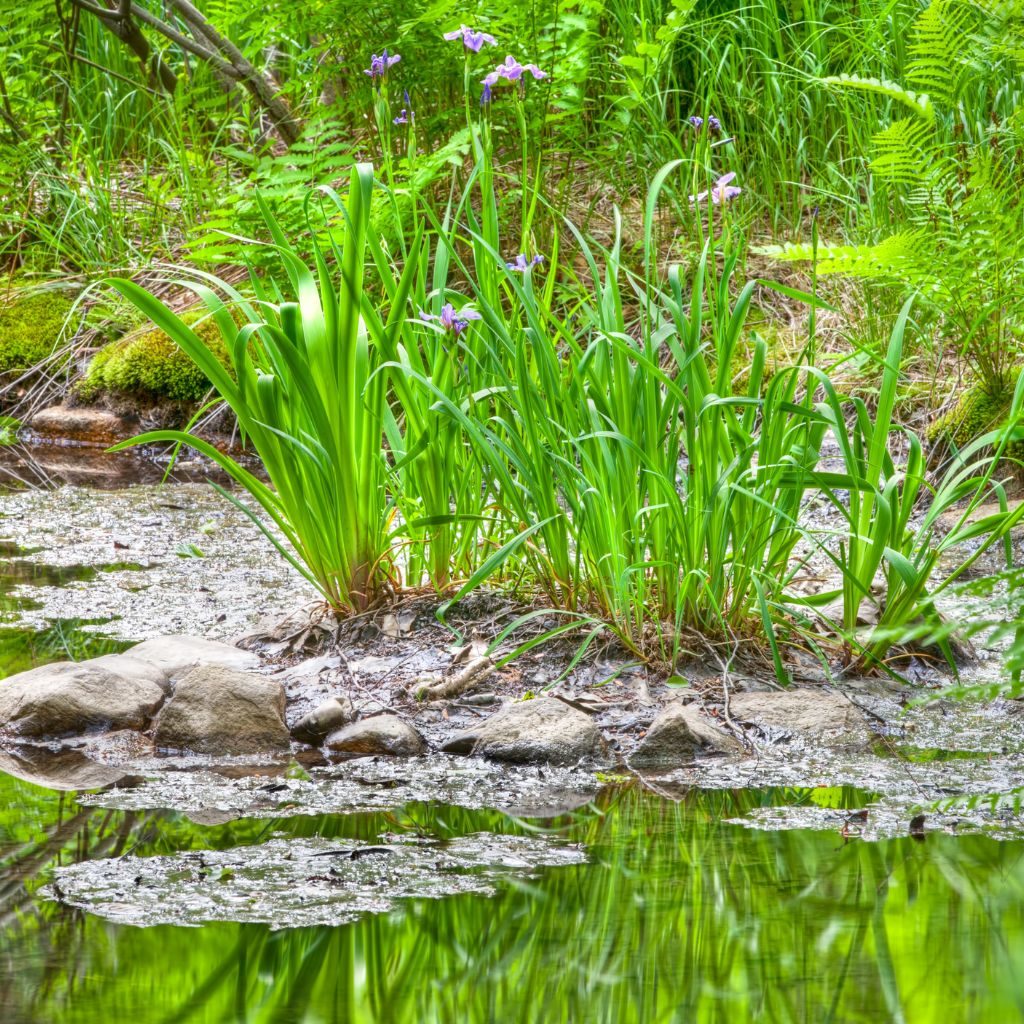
(725, 179)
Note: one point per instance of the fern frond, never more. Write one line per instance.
(903, 152)
(940, 49)
(918, 102)
(905, 257)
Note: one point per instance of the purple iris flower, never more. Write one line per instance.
(720, 192)
(697, 122)
(714, 125)
(450, 320)
(471, 40)
(485, 95)
(521, 264)
(512, 71)
(406, 116)
(379, 65)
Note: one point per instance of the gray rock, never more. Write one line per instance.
(132, 668)
(679, 735)
(540, 731)
(329, 716)
(808, 714)
(216, 710)
(178, 655)
(69, 699)
(382, 734)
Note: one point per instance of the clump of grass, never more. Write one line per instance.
(304, 388)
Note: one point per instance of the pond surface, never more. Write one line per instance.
(647, 910)
(354, 895)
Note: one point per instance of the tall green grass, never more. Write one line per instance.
(304, 388)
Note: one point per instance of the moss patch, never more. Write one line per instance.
(150, 364)
(978, 410)
(30, 327)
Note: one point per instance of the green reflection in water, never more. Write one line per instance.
(23, 647)
(677, 917)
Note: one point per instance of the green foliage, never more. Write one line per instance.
(884, 533)
(306, 393)
(977, 411)
(32, 327)
(149, 364)
(963, 251)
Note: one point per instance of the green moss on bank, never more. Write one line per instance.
(978, 410)
(30, 328)
(150, 364)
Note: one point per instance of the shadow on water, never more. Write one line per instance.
(675, 916)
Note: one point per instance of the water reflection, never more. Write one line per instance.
(677, 916)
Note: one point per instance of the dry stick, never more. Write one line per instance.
(475, 672)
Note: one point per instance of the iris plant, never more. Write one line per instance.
(451, 321)
(721, 192)
(471, 40)
(521, 264)
(379, 65)
(512, 71)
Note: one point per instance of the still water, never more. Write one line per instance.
(675, 915)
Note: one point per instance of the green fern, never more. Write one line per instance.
(964, 249)
(920, 103)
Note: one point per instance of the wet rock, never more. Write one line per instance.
(216, 710)
(540, 731)
(65, 769)
(808, 714)
(98, 426)
(679, 735)
(177, 655)
(69, 699)
(382, 734)
(328, 717)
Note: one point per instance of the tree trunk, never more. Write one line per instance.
(205, 42)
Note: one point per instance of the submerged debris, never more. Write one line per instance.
(292, 883)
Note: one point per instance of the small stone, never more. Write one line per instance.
(178, 655)
(382, 734)
(71, 699)
(216, 710)
(677, 736)
(809, 714)
(539, 731)
(328, 717)
(98, 426)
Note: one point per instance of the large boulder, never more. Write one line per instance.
(334, 713)
(72, 698)
(782, 715)
(178, 655)
(216, 710)
(540, 731)
(382, 734)
(132, 668)
(679, 735)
